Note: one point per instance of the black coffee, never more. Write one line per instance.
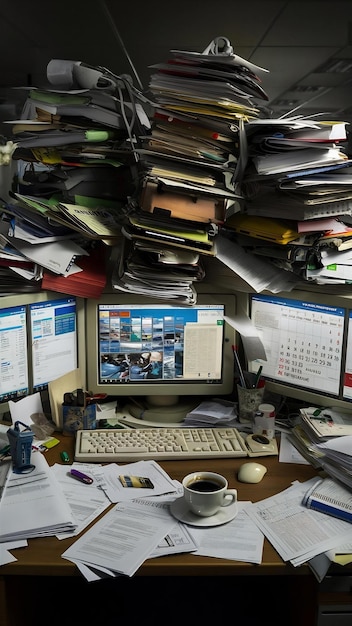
(204, 485)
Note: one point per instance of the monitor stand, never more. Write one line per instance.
(166, 411)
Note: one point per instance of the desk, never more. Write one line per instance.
(42, 558)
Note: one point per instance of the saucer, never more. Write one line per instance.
(179, 509)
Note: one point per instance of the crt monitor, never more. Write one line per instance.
(305, 337)
(144, 347)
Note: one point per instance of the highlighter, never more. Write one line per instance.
(83, 478)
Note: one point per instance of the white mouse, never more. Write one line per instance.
(251, 472)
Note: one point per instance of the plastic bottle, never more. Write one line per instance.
(264, 420)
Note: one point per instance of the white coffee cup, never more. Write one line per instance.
(206, 492)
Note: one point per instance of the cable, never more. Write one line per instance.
(117, 34)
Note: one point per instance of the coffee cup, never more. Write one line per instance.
(206, 492)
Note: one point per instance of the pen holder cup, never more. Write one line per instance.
(78, 417)
(248, 401)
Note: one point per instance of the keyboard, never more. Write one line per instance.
(109, 445)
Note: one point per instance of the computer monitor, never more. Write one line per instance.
(347, 374)
(305, 339)
(53, 339)
(42, 335)
(14, 374)
(144, 347)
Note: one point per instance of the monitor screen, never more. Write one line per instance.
(53, 340)
(14, 375)
(347, 374)
(305, 337)
(140, 347)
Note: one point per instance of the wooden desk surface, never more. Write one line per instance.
(42, 557)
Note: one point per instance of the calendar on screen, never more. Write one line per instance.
(347, 376)
(303, 342)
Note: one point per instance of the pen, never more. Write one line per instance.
(80, 476)
(238, 364)
(257, 376)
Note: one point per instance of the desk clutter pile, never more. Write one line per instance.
(324, 438)
(155, 183)
(114, 529)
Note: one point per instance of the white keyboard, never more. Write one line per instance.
(109, 445)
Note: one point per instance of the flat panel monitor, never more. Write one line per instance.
(305, 337)
(347, 374)
(142, 347)
(53, 335)
(14, 373)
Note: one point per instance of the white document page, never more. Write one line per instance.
(22, 409)
(57, 256)
(5, 554)
(33, 504)
(109, 480)
(297, 533)
(178, 539)
(341, 446)
(87, 502)
(252, 343)
(238, 540)
(288, 452)
(124, 538)
(259, 276)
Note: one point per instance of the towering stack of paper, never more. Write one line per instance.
(202, 100)
(298, 172)
(324, 438)
(156, 270)
(192, 159)
(74, 145)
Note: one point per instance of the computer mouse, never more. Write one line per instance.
(251, 472)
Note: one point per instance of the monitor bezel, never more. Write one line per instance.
(25, 299)
(303, 395)
(174, 388)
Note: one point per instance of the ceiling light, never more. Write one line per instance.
(336, 66)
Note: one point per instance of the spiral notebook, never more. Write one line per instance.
(330, 497)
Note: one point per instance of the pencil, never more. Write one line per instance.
(257, 377)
